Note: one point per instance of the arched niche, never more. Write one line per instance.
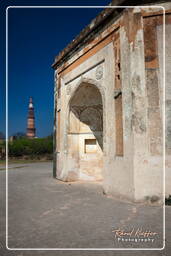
(85, 132)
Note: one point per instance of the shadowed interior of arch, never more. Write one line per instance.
(86, 129)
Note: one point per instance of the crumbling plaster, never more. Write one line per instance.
(135, 174)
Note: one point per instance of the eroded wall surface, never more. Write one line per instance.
(167, 99)
(109, 108)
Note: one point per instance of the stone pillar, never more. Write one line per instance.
(147, 170)
(146, 119)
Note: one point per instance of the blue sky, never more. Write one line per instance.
(35, 37)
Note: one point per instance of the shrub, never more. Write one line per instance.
(30, 147)
(2, 150)
(168, 200)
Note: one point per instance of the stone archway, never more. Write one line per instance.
(85, 133)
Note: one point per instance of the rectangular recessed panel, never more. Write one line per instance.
(118, 100)
(90, 146)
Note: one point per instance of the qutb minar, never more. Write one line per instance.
(31, 130)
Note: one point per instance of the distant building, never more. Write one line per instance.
(12, 138)
(31, 130)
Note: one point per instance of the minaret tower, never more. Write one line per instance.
(31, 131)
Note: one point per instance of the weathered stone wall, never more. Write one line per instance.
(98, 70)
(122, 111)
(167, 92)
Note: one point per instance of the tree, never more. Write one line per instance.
(19, 135)
(50, 136)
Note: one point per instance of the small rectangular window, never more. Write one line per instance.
(90, 146)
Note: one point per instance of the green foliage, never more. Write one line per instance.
(19, 135)
(30, 147)
(168, 200)
(2, 149)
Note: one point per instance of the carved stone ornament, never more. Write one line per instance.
(99, 72)
(68, 90)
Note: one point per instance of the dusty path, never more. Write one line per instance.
(46, 213)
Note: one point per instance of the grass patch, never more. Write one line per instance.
(2, 162)
(17, 167)
(23, 161)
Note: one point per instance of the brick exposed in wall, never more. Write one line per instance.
(118, 98)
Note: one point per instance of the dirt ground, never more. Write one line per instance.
(46, 213)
